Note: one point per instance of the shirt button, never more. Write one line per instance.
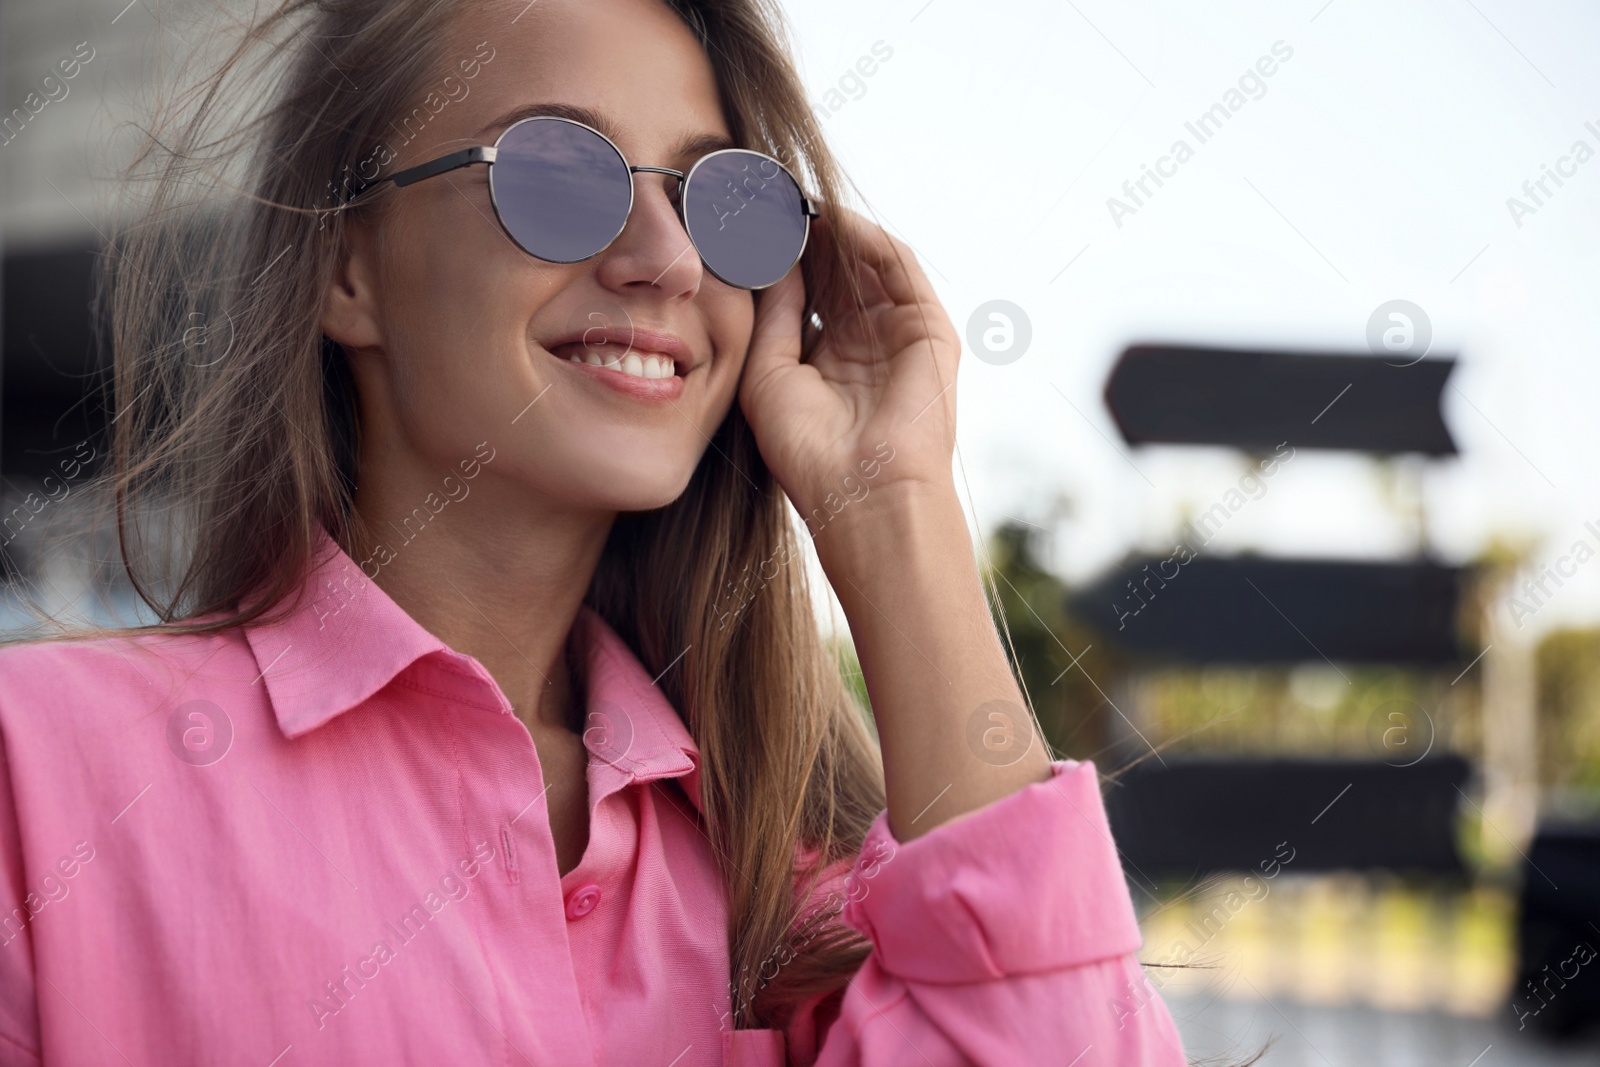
(581, 901)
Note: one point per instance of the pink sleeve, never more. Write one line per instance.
(19, 1020)
(1006, 936)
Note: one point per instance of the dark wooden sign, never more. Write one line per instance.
(1200, 815)
(1254, 400)
(1250, 609)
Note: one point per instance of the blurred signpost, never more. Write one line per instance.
(1164, 394)
(1239, 610)
(1335, 814)
(1193, 816)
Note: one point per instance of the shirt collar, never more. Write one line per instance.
(348, 639)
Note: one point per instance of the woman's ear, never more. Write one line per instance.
(350, 309)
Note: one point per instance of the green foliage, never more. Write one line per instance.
(1029, 608)
(1568, 664)
(1308, 710)
(850, 670)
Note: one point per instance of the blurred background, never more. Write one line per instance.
(1277, 437)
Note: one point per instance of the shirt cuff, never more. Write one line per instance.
(1026, 884)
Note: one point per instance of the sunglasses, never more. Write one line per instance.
(563, 192)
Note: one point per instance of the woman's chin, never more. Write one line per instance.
(635, 490)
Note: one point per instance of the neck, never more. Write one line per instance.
(486, 567)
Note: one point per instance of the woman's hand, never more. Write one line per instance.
(898, 554)
(855, 400)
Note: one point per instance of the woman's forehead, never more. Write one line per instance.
(633, 66)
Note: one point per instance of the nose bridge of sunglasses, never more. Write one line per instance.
(672, 180)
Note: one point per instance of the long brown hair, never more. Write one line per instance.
(234, 434)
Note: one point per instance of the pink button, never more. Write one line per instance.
(581, 901)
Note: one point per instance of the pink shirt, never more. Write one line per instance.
(325, 842)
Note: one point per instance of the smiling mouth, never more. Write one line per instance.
(629, 361)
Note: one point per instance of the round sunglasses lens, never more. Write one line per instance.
(744, 214)
(562, 190)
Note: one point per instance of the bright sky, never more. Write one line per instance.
(1375, 166)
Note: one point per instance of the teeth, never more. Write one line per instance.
(634, 364)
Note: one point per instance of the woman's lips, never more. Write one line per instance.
(623, 369)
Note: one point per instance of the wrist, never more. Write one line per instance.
(891, 533)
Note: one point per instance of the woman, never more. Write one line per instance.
(487, 721)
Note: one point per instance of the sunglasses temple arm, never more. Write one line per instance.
(463, 158)
(453, 161)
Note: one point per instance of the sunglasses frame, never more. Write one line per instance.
(487, 154)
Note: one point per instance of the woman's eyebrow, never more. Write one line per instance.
(691, 146)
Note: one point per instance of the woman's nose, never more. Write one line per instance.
(653, 251)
